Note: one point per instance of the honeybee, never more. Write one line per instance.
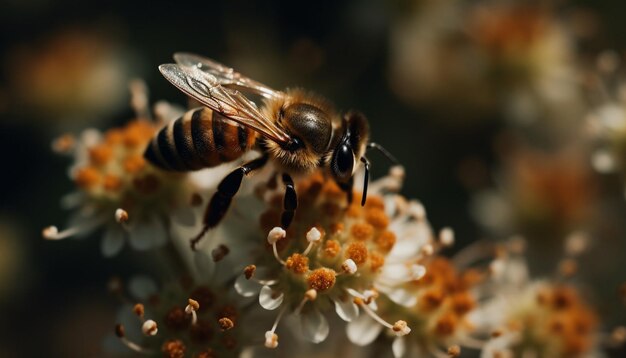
(298, 131)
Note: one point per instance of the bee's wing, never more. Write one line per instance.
(225, 75)
(207, 89)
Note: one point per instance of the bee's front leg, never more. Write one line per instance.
(347, 188)
(226, 190)
(290, 203)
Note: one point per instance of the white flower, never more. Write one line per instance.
(120, 192)
(333, 254)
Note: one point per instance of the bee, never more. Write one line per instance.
(298, 131)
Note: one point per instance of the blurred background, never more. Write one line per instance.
(508, 116)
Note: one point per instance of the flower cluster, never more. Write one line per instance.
(331, 257)
(542, 316)
(121, 192)
(180, 319)
(606, 120)
(376, 274)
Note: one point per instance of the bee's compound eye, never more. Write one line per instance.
(342, 162)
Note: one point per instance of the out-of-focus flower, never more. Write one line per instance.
(606, 120)
(179, 319)
(119, 191)
(486, 56)
(539, 192)
(539, 316)
(435, 305)
(73, 74)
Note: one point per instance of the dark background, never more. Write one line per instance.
(54, 301)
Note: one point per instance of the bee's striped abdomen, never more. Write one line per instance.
(201, 138)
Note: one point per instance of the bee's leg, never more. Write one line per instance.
(226, 190)
(290, 204)
(366, 179)
(347, 188)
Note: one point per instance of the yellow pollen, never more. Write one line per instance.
(173, 348)
(462, 303)
(332, 248)
(298, 264)
(100, 154)
(333, 191)
(431, 299)
(112, 182)
(64, 144)
(87, 177)
(377, 218)
(354, 211)
(113, 136)
(193, 304)
(137, 133)
(454, 351)
(385, 241)
(563, 298)
(321, 279)
(375, 202)
(138, 310)
(249, 271)
(225, 323)
(134, 163)
(376, 261)
(446, 325)
(362, 231)
(471, 278)
(336, 228)
(357, 252)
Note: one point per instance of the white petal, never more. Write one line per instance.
(398, 347)
(395, 272)
(142, 287)
(86, 220)
(400, 296)
(268, 298)
(347, 310)
(363, 330)
(314, 326)
(245, 287)
(407, 246)
(204, 264)
(113, 241)
(185, 216)
(148, 234)
(355, 293)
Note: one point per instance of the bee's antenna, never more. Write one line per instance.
(366, 180)
(384, 152)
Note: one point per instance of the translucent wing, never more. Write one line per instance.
(225, 76)
(206, 89)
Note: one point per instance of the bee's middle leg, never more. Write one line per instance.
(226, 190)
(290, 203)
